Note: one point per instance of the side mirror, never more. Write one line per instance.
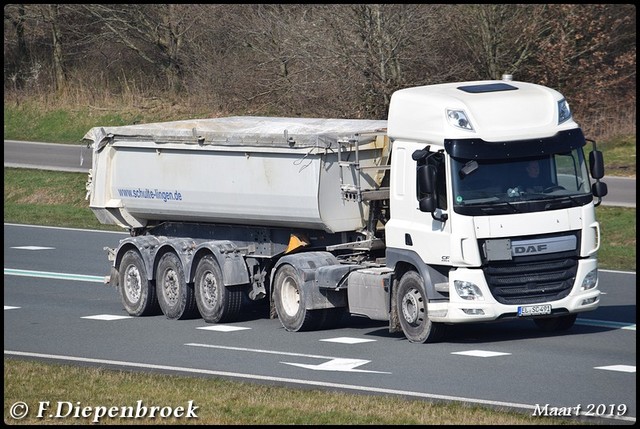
(426, 179)
(427, 204)
(596, 164)
(599, 189)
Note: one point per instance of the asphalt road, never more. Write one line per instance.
(58, 309)
(77, 158)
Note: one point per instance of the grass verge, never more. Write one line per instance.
(222, 402)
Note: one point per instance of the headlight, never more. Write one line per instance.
(459, 119)
(467, 290)
(590, 280)
(564, 112)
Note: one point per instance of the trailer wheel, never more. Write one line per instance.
(175, 295)
(288, 298)
(412, 311)
(216, 302)
(137, 293)
(556, 324)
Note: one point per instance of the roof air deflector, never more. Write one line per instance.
(489, 87)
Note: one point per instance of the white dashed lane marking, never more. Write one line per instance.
(107, 317)
(347, 340)
(480, 353)
(222, 328)
(621, 368)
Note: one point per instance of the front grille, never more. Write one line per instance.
(532, 281)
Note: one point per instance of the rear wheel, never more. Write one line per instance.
(138, 294)
(413, 311)
(216, 302)
(175, 295)
(556, 324)
(288, 298)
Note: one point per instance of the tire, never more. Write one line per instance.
(288, 298)
(413, 311)
(556, 324)
(137, 293)
(215, 301)
(175, 296)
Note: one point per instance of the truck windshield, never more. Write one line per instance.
(484, 186)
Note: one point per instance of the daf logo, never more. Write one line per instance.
(522, 250)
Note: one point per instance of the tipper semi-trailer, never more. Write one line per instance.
(473, 202)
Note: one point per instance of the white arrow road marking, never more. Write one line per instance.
(341, 364)
(334, 364)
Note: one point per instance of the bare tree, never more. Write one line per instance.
(339, 60)
(378, 46)
(275, 67)
(494, 38)
(46, 22)
(15, 15)
(596, 42)
(157, 34)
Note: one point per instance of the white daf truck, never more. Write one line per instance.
(426, 219)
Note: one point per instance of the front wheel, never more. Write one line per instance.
(556, 324)
(288, 298)
(413, 311)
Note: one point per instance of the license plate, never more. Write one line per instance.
(534, 310)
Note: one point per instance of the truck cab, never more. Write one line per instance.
(483, 235)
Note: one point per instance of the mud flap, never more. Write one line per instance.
(394, 321)
(113, 279)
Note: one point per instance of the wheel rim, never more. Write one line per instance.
(209, 289)
(170, 286)
(290, 296)
(413, 308)
(132, 283)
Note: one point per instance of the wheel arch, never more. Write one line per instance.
(232, 264)
(141, 247)
(306, 264)
(401, 261)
